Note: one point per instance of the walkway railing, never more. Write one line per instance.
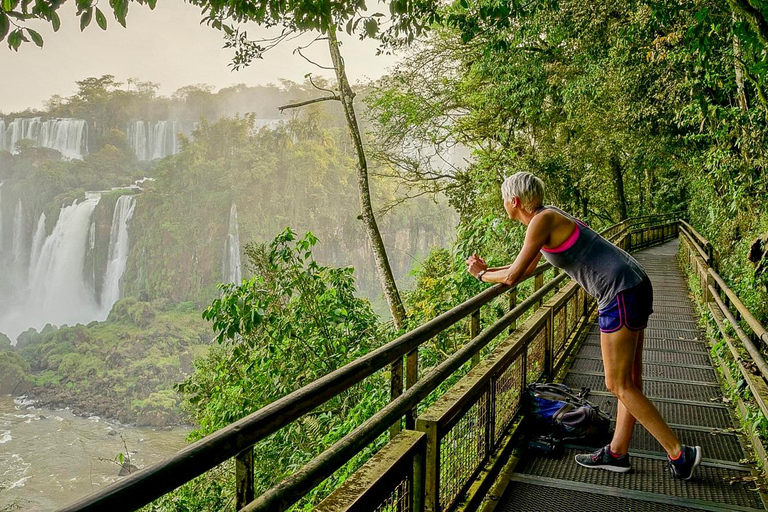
(728, 310)
(460, 430)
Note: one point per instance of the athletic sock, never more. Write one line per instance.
(680, 459)
(615, 455)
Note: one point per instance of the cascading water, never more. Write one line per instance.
(1, 210)
(231, 271)
(57, 286)
(68, 136)
(155, 139)
(18, 234)
(37, 243)
(57, 290)
(118, 252)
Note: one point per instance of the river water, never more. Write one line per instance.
(49, 458)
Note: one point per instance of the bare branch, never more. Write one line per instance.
(298, 50)
(308, 102)
(320, 88)
(397, 202)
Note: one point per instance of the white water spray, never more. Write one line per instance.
(68, 136)
(155, 139)
(18, 234)
(58, 293)
(118, 252)
(231, 271)
(1, 208)
(37, 243)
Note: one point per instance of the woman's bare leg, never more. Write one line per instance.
(619, 352)
(625, 422)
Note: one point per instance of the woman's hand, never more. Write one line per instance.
(475, 264)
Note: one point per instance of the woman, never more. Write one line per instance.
(625, 299)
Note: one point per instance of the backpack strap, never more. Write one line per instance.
(558, 416)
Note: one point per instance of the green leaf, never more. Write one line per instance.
(14, 40)
(85, 19)
(5, 25)
(8, 5)
(101, 19)
(55, 21)
(36, 37)
(121, 10)
(152, 4)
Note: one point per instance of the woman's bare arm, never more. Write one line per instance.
(525, 263)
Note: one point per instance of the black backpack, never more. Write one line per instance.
(564, 414)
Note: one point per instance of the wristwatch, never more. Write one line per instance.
(480, 275)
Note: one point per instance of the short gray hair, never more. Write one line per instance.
(526, 187)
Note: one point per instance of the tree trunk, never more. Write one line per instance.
(741, 93)
(383, 269)
(650, 179)
(618, 186)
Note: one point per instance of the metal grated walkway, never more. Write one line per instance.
(680, 380)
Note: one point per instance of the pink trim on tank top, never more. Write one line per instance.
(568, 242)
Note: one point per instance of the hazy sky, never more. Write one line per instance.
(167, 46)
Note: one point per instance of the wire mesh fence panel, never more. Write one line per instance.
(508, 390)
(399, 500)
(462, 450)
(560, 327)
(536, 352)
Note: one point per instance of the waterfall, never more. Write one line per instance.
(18, 233)
(137, 138)
(56, 285)
(58, 291)
(155, 139)
(231, 272)
(1, 206)
(118, 252)
(37, 243)
(68, 136)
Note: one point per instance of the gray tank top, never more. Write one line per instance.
(600, 267)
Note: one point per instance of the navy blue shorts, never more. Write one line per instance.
(630, 308)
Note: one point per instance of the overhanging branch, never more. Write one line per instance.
(308, 102)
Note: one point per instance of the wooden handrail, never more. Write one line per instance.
(696, 246)
(754, 324)
(703, 241)
(748, 317)
(146, 485)
(757, 357)
(290, 490)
